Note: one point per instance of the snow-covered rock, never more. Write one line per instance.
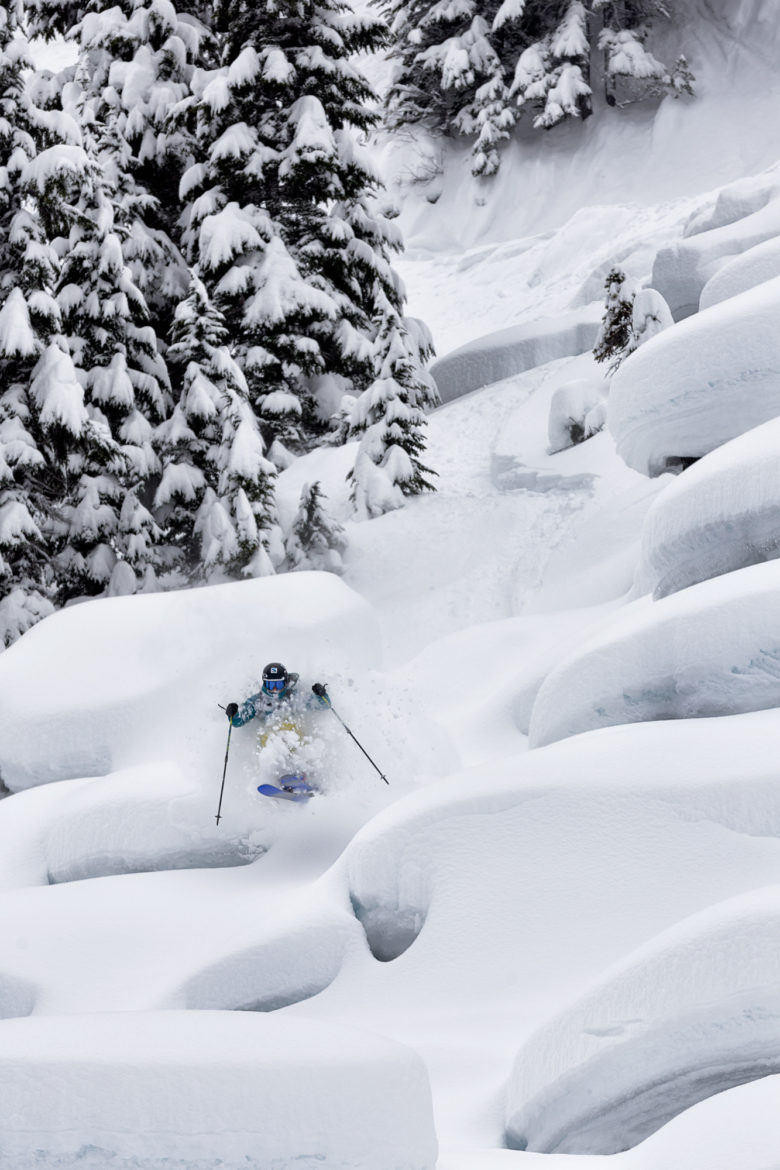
(693, 1012)
(713, 649)
(511, 351)
(743, 272)
(695, 386)
(720, 515)
(745, 215)
(212, 1090)
(577, 411)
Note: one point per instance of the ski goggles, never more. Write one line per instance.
(273, 684)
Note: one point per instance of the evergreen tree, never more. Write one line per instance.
(631, 71)
(215, 498)
(115, 349)
(389, 418)
(136, 60)
(282, 217)
(316, 540)
(443, 58)
(43, 422)
(552, 74)
(468, 68)
(614, 336)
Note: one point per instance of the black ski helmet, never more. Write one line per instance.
(274, 673)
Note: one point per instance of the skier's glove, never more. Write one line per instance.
(231, 710)
(322, 694)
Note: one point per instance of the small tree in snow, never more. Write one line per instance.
(215, 497)
(389, 418)
(316, 540)
(615, 334)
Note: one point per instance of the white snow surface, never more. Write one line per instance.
(694, 387)
(150, 1091)
(572, 947)
(721, 514)
(712, 649)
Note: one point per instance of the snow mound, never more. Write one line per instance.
(699, 384)
(577, 411)
(735, 1128)
(123, 823)
(512, 351)
(203, 1090)
(744, 215)
(171, 658)
(694, 1012)
(294, 956)
(533, 828)
(720, 515)
(752, 268)
(712, 649)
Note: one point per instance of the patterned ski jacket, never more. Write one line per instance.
(290, 703)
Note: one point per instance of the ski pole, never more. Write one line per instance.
(321, 692)
(224, 772)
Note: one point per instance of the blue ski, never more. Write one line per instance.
(290, 788)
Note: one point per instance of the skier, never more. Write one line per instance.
(277, 700)
(280, 707)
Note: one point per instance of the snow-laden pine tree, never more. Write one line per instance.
(283, 218)
(552, 74)
(631, 71)
(443, 58)
(315, 540)
(136, 62)
(116, 353)
(473, 69)
(615, 333)
(389, 419)
(43, 422)
(215, 498)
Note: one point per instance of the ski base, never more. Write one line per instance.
(290, 788)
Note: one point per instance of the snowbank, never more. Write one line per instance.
(713, 649)
(745, 215)
(735, 1128)
(699, 384)
(694, 1012)
(205, 1090)
(753, 267)
(112, 683)
(512, 351)
(720, 515)
(554, 831)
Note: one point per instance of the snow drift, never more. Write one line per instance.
(713, 649)
(694, 1012)
(720, 515)
(511, 351)
(699, 384)
(172, 1091)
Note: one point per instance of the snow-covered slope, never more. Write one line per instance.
(570, 948)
